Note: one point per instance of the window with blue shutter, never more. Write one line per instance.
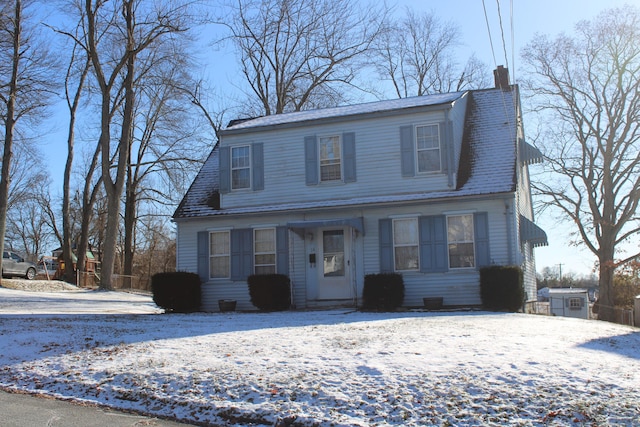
(241, 254)
(241, 167)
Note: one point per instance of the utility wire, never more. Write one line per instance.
(486, 17)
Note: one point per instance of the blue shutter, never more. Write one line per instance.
(241, 254)
(349, 156)
(257, 160)
(425, 227)
(385, 237)
(433, 244)
(224, 170)
(203, 256)
(282, 250)
(407, 151)
(441, 249)
(311, 160)
(481, 230)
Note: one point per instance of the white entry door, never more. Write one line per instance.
(334, 281)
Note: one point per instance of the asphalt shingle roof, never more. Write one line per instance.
(487, 166)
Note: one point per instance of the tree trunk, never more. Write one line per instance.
(129, 228)
(606, 303)
(115, 187)
(10, 122)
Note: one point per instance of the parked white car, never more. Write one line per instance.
(15, 265)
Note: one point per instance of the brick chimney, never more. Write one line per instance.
(501, 77)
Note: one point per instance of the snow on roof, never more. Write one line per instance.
(347, 110)
(490, 135)
(489, 138)
(197, 200)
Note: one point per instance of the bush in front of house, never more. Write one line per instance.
(383, 291)
(270, 292)
(501, 288)
(177, 291)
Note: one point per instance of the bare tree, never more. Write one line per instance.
(28, 224)
(74, 85)
(165, 145)
(587, 91)
(418, 55)
(301, 54)
(116, 34)
(25, 83)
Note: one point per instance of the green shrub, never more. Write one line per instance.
(501, 288)
(270, 292)
(177, 291)
(383, 291)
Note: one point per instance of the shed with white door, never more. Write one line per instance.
(569, 302)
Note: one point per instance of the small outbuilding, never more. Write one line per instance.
(569, 302)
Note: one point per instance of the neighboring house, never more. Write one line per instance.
(433, 187)
(569, 302)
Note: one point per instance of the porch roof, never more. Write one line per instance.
(299, 226)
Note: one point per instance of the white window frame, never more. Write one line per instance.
(418, 150)
(415, 243)
(238, 168)
(330, 162)
(226, 253)
(451, 242)
(257, 253)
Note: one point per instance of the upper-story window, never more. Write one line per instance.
(241, 167)
(264, 250)
(428, 148)
(330, 158)
(460, 238)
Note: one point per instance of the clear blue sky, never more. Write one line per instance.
(520, 21)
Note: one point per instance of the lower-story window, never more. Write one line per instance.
(460, 241)
(264, 252)
(219, 254)
(405, 244)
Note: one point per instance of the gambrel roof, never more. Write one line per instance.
(487, 160)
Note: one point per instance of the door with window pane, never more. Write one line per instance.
(334, 266)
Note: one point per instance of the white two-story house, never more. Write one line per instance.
(432, 187)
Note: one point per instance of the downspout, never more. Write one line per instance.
(448, 137)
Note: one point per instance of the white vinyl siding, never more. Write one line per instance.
(219, 254)
(405, 244)
(428, 148)
(460, 241)
(264, 251)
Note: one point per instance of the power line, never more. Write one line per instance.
(486, 17)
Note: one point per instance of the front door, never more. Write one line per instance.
(334, 281)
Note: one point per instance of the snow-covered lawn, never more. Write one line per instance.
(321, 368)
